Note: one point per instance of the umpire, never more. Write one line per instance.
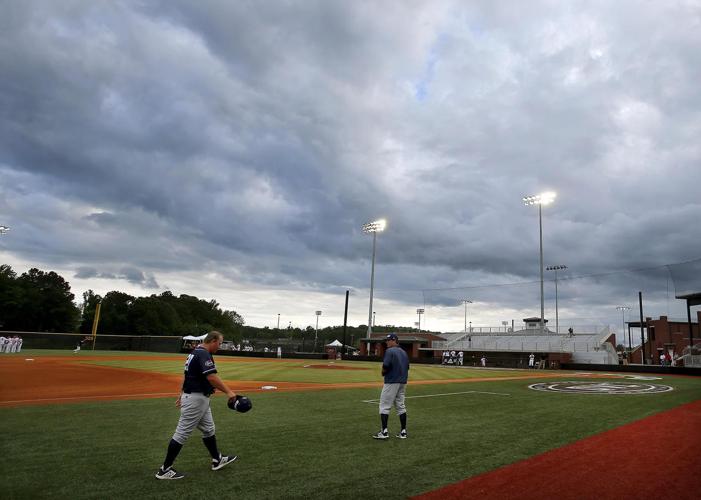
(395, 368)
(201, 380)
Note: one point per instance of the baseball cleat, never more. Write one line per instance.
(223, 461)
(402, 435)
(381, 435)
(168, 473)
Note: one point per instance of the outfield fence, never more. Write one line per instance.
(62, 340)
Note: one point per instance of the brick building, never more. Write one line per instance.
(664, 336)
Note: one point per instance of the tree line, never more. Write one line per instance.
(42, 301)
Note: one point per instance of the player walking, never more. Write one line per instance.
(395, 368)
(200, 381)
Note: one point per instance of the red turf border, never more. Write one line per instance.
(654, 458)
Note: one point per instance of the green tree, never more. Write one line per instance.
(115, 314)
(153, 316)
(10, 298)
(46, 303)
(90, 301)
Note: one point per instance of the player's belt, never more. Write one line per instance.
(197, 392)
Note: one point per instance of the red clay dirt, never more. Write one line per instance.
(70, 379)
(656, 457)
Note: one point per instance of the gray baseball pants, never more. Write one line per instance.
(194, 413)
(392, 394)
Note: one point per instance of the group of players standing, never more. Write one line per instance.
(10, 344)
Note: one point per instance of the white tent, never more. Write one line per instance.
(192, 337)
(335, 343)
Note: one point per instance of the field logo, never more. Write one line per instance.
(580, 387)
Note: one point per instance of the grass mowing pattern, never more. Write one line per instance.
(305, 445)
(299, 370)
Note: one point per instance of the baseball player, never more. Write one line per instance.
(201, 380)
(531, 360)
(395, 368)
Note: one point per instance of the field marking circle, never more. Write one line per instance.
(581, 387)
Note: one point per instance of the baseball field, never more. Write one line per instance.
(96, 425)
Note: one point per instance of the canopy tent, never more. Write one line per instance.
(192, 337)
(335, 343)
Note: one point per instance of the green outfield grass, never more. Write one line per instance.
(300, 371)
(307, 444)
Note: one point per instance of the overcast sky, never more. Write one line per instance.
(233, 150)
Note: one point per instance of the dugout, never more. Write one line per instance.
(413, 343)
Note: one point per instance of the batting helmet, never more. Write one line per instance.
(240, 404)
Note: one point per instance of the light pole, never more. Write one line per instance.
(420, 312)
(623, 310)
(373, 227)
(278, 321)
(540, 200)
(316, 332)
(373, 318)
(557, 318)
(465, 301)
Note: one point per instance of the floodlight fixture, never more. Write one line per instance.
(540, 199)
(375, 226)
(4, 229)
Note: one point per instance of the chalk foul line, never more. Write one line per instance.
(444, 394)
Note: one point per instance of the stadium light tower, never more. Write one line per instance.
(373, 227)
(465, 301)
(4, 229)
(557, 317)
(316, 332)
(623, 310)
(540, 200)
(420, 312)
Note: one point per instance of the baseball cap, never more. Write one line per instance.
(392, 336)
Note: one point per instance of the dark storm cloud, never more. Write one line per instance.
(252, 140)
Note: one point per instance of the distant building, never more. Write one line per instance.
(664, 336)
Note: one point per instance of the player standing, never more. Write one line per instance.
(395, 368)
(201, 380)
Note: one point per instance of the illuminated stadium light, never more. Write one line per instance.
(540, 200)
(373, 227)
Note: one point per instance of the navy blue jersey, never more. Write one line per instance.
(396, 366)
(199, 364)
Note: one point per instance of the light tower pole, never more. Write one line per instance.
(420, 312)
(623, 310)
(557, 317)
(373, 227)
(465, 301)
(540, 200)
(316, 332)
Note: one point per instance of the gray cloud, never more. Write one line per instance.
(249, 142)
